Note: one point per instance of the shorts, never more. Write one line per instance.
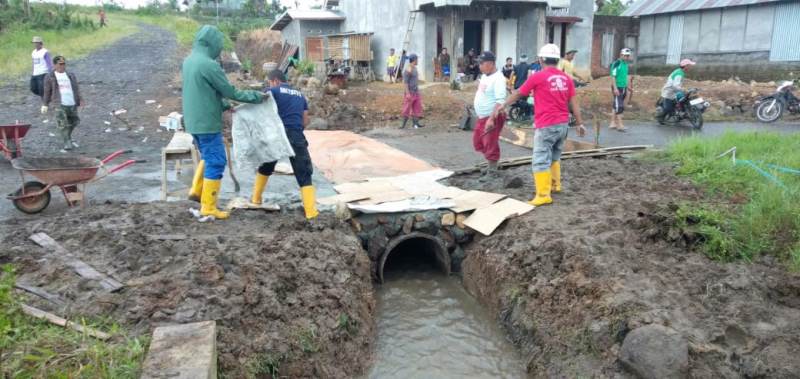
(548, 144)
(391, 71)
(488, 143)
(301, 162)
(619, 101)
(446, 69)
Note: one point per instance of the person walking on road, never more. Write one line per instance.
(101, 14)
(620, 88)
(391, 66)
(205, 88)
(566, 65)
(673, 90)
(488, 105)
(293, 111)
(61, 89)
(42, 65)
(554, 95)
(412, 100)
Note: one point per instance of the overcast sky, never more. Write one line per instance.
(303, 4)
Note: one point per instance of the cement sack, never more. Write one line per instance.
(258, 135)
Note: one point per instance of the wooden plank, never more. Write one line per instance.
(60, 321)
(474, 200)
(80, 267)
(40, 292)
(485, 220)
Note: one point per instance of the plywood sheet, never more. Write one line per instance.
(485, 220)
(342, 198)
(475, 199)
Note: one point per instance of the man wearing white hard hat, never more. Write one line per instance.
(554, 96)
(673, 89)
(620, 87)
(42, 65)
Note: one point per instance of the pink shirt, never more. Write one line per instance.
(552, 89)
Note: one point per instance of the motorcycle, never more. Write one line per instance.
(521, 110)
(689, 107)
(770, 108)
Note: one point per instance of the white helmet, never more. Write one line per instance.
(625, 51)
(550, 51)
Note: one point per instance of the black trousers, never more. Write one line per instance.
(301, 162)
(667, 108)
(37, 85)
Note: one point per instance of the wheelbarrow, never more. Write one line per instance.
(70, 174)
(11, 139)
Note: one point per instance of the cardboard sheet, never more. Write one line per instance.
(416, 204)
(485, 220)
(342, 198)
(471, 200)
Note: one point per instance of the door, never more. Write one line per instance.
(608, 49)
(506, 40)
(473, 34)
(675, 39)
(314, 49)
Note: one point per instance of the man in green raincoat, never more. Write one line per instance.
(205, 89)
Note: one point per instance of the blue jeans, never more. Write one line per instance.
(212, 151)
(548, 143)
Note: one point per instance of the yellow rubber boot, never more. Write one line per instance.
(197, 182)
(544, 181)
(258, 188)
(208, 203)
(555, 172)
(309, 201)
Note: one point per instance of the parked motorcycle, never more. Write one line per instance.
(689, 107)
(521, 110)
(771, 108)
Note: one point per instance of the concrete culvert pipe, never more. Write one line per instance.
(422, 244)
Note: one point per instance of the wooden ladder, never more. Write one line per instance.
(412, 18)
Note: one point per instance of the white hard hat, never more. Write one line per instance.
(625, 51)
(37, 39)
(550, 51)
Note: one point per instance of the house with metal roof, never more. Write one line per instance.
(510, 28)
(754, 39)
(306, 28)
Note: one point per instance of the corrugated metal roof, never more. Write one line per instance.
(444, 3)
(648, 7)
(296, 14)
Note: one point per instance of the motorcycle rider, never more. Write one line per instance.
(673, 90)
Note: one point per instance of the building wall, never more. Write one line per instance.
(622, 28)
(579, 35)
(732, 41)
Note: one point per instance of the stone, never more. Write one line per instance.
(449, 219)
(515, 182)
(185, 351)
(460, 220)
(655, 351)
(317, 123)
(408, 225)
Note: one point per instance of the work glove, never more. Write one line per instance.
(44, 109)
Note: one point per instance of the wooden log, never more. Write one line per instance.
(41, 293)
(80, 267)
(53, 319)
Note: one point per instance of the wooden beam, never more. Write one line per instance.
(53, 319)
(41, 293)
(80, 267)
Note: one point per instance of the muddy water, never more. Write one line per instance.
(430, 327)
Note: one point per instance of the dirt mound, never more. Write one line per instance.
(258, 47)
(285, 297)
(569, 281)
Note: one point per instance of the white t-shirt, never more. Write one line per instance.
(491, 91)
(40, 66)
(65, 88)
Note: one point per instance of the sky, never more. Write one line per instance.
(133, 4)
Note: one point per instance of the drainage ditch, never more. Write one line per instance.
(428, 325)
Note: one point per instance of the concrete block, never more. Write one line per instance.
(186, 351)
(449, 219)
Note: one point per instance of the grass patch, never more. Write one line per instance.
(752, 215)
(15, 56)
(31, 348)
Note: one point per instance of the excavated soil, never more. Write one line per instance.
(284, 295)
(570, 280)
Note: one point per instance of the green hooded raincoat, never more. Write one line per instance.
(205, 86)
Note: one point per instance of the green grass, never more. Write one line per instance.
(31, 348)
(750, 214)
(15, 56)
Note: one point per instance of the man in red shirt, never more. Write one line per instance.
(554, 96)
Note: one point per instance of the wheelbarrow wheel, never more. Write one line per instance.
(32, 204)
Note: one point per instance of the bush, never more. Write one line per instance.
(306, 67)
(152, 9)
(43, 17)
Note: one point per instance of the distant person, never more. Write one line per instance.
(205, 88)
(444, 62)
(42, 65)
(488, 105)
(620, 88)
(391, 66)
(508, 69)
(101, 14)
(568, 68)
(293, 111)
(521, 71)
(673, 90)
(61, 89)
(471, 62)
(412, 100)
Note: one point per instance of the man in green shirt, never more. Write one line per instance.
(620, 87)
(673, 90)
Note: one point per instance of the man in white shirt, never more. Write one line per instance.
(488, 106)
(61, 89)
(41, 65)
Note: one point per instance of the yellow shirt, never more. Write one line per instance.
(567, 67)
(391, 61)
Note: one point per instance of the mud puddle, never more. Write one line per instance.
(429, 326)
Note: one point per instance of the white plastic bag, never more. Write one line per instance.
(258, 135)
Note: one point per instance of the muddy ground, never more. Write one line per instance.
(569, 281)
(282, 294)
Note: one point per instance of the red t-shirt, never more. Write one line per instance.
(552, 89)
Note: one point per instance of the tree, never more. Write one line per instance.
(611, 7)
